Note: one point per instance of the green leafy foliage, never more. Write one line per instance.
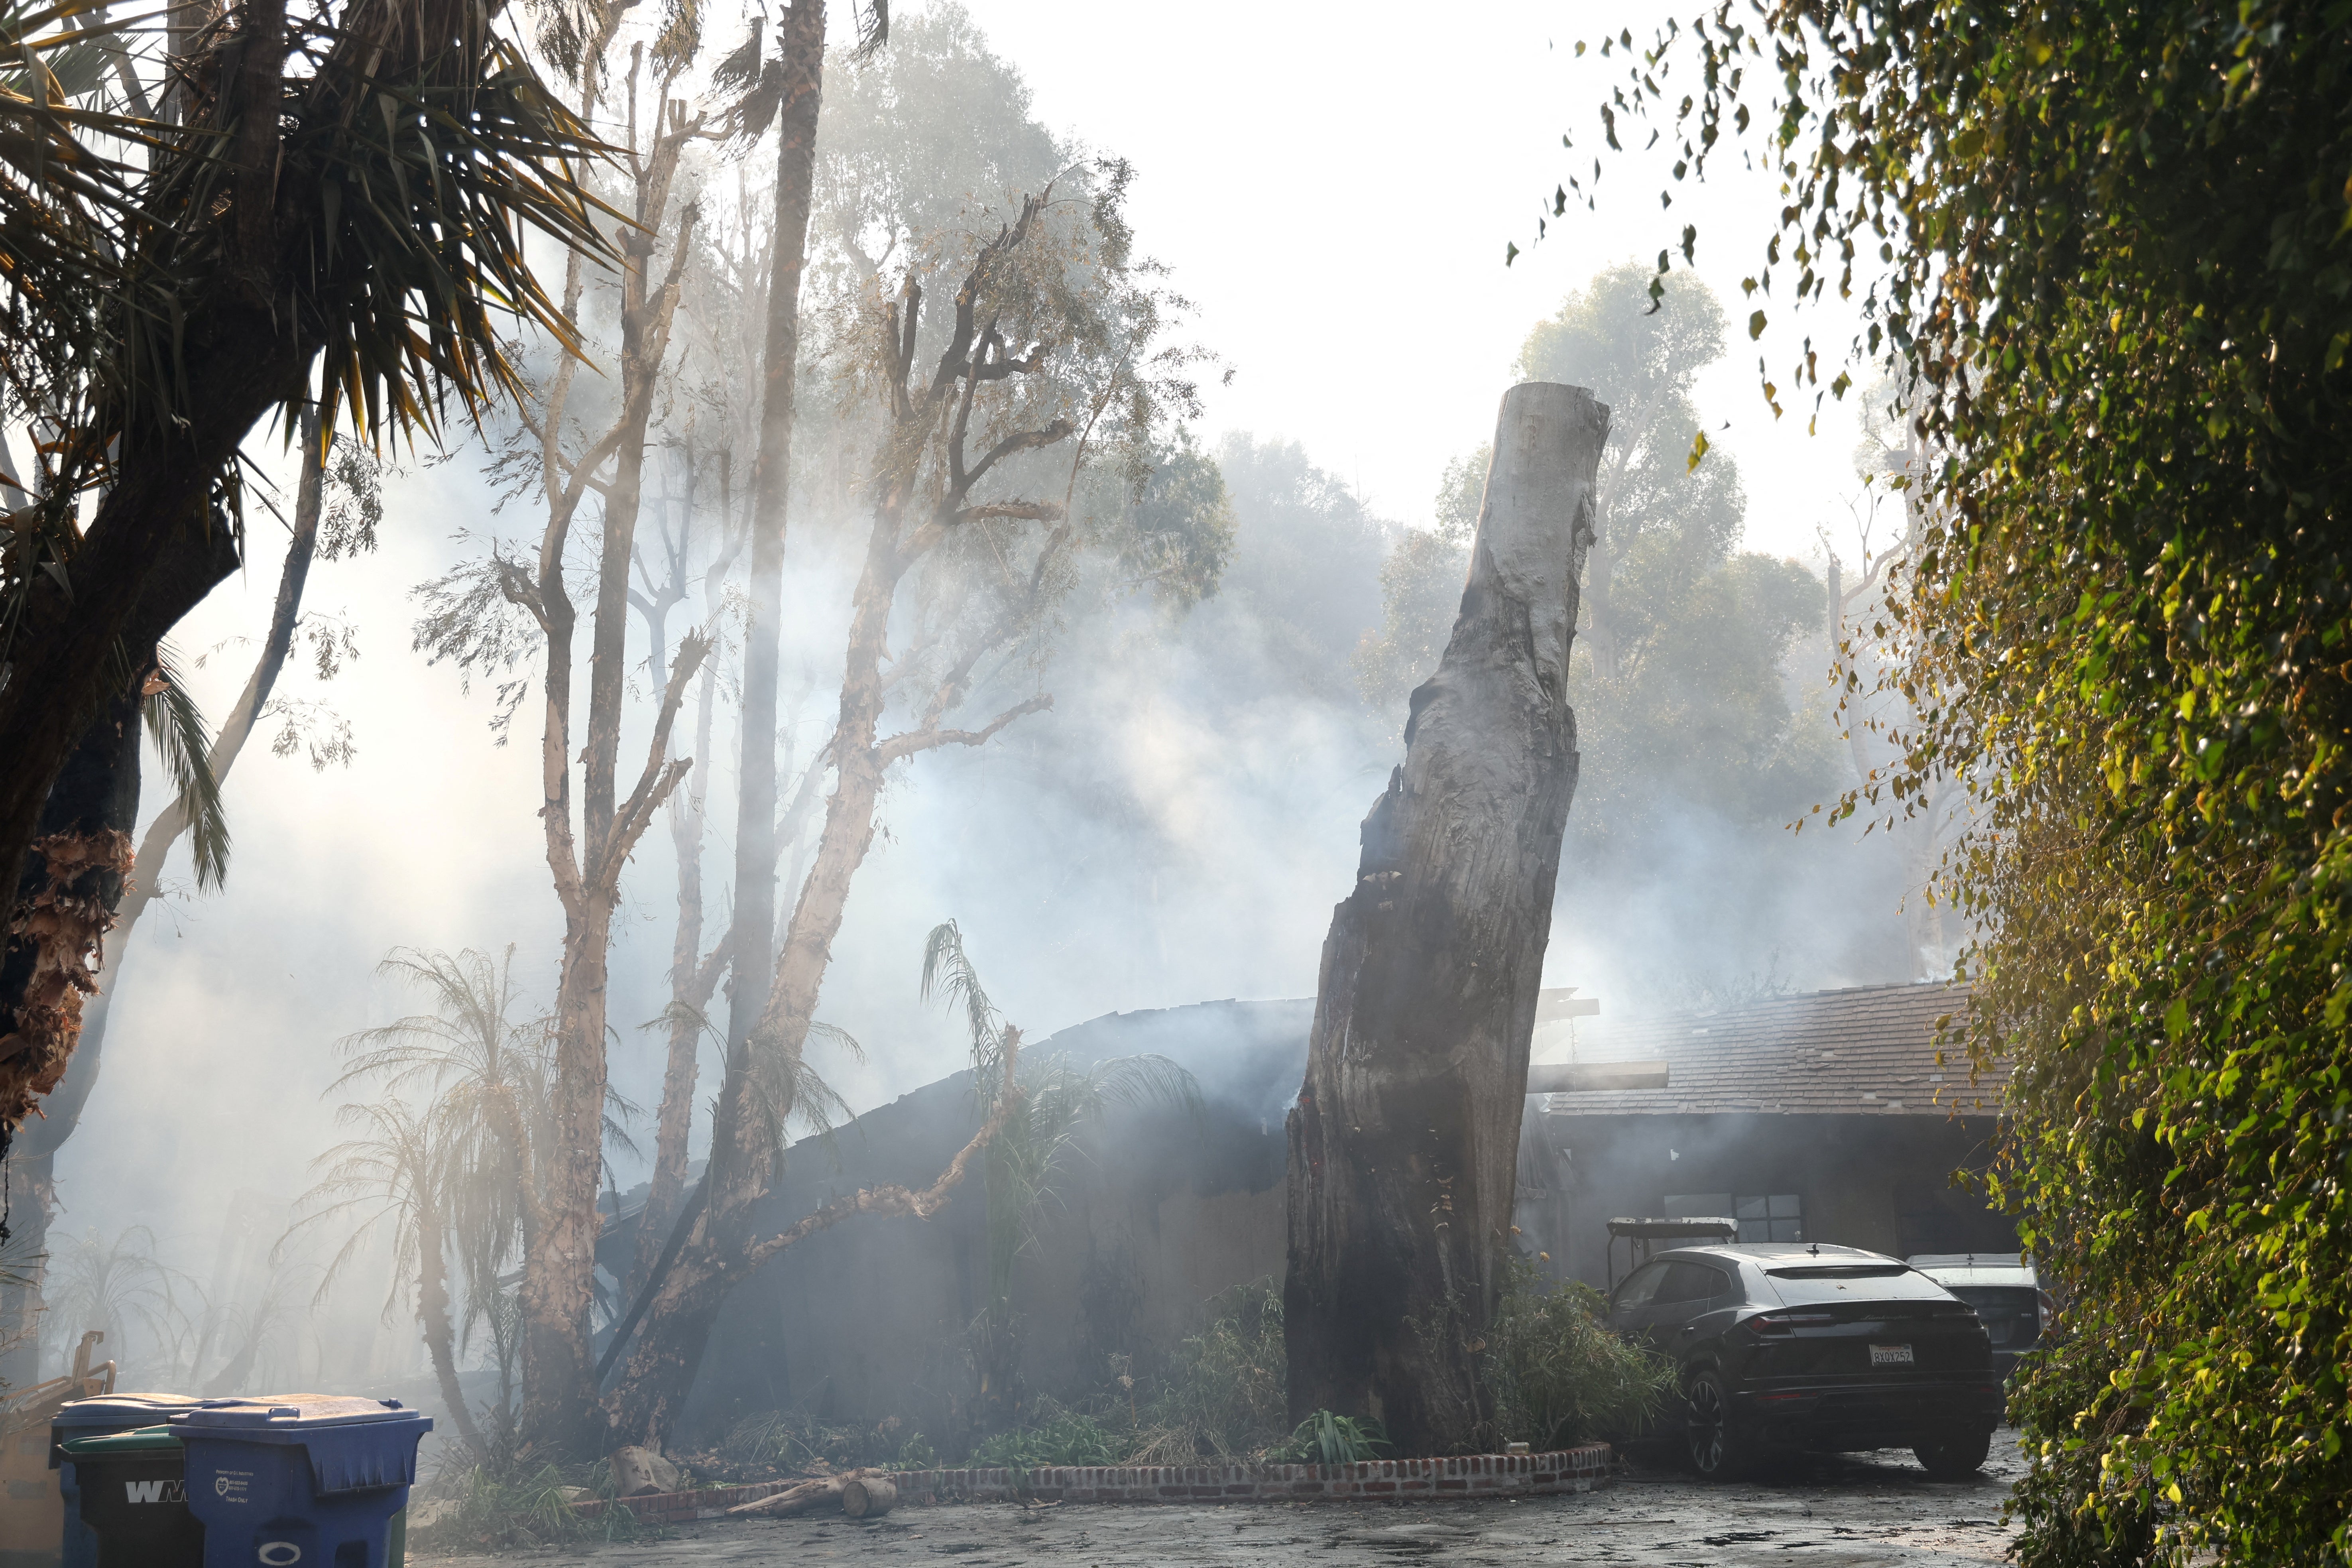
(1324, 1438)
(2117, 285)
(1556, 1375)
(525, 1508)
(1064, 1438)
(1226, 1389)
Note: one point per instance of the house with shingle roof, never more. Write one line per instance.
(1833, 1116)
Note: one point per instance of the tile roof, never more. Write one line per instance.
(1870, 1051)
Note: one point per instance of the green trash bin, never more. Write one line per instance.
(134, 1498)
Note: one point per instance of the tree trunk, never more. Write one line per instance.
(1404, 1141)
(559, 1266)
(440, 1337)
(801, 51)
(693, 979)
(33, 1161)
(645, 1403)
(751, 933)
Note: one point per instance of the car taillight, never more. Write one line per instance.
(1785, 1323)
(2048, 1310)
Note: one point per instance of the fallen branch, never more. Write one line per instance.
(891, 1198)
(823, 1492)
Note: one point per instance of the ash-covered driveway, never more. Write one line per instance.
(1847, 1511)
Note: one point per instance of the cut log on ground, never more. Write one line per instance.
(1404, 1140)
(822, 1494)
(864, 1498)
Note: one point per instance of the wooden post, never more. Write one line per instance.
(1404, 1140)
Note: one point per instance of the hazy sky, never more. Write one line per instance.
(1335, 186)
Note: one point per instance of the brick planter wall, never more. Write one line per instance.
(1379, 1481)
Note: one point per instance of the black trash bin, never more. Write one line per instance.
(134, 1498)
(92, 1419)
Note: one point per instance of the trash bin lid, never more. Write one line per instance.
(290, 1413)
(118, 1410)
(139, 1441)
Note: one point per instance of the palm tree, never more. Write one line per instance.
(393, 1172)
(117, 1284)
(330, 204)
(1058, 1102)
(451, 1151)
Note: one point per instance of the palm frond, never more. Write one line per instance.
(873, 28)
(1146, 1080)
(184, 743)
(950, 978)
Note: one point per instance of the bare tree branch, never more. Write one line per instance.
(658, 780)
(1027, 511)
(892, 1198)
(914, 740)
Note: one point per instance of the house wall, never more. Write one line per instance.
(1883, 1182)
(1155, 1212)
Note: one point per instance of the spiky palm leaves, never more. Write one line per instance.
(350, 188)
(117, 1285)
(448, 1148)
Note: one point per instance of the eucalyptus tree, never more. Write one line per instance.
(1682, 692)
(344, 187)
(1049, 359)
(1641, 353)
(567, 448)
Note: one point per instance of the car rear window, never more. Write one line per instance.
(1801, 1284)
(2025, 1299)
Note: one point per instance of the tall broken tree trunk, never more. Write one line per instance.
(1404, 1141)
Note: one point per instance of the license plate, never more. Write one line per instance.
(1890, 1355)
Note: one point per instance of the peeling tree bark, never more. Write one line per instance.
(558, 1384)
(713, 1247)
(1404, 1141)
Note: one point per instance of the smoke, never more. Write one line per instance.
(1176, 829)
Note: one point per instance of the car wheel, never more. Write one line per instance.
(1717, 1452)
(1955, 1457)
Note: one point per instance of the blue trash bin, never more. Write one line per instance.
(96, 1418)
(298, 1480)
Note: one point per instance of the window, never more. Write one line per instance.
(1779, 1217)
(1690, 1282)
(1638, 1287)
(1698, 1206)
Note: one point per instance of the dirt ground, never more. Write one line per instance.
(1853, 1510)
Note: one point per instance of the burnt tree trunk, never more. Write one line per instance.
(1404, 1140)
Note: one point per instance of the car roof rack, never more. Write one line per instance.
(1638, 1232)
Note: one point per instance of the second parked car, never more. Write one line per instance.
(1786, 1347)
(2007, 1294)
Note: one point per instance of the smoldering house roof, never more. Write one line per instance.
(1869, 1051)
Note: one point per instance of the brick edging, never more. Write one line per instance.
(1469, 1475)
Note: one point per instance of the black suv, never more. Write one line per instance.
(1789, 1346)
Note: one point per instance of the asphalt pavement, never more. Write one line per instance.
(1849, 1510)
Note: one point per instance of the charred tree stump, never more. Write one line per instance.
(1404, 1140)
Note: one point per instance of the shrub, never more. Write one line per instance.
(1556, 1374)
(521, 1510)
(1066, 1437)
(793, 1442)
(1324, 1438)
(1227, 1388)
